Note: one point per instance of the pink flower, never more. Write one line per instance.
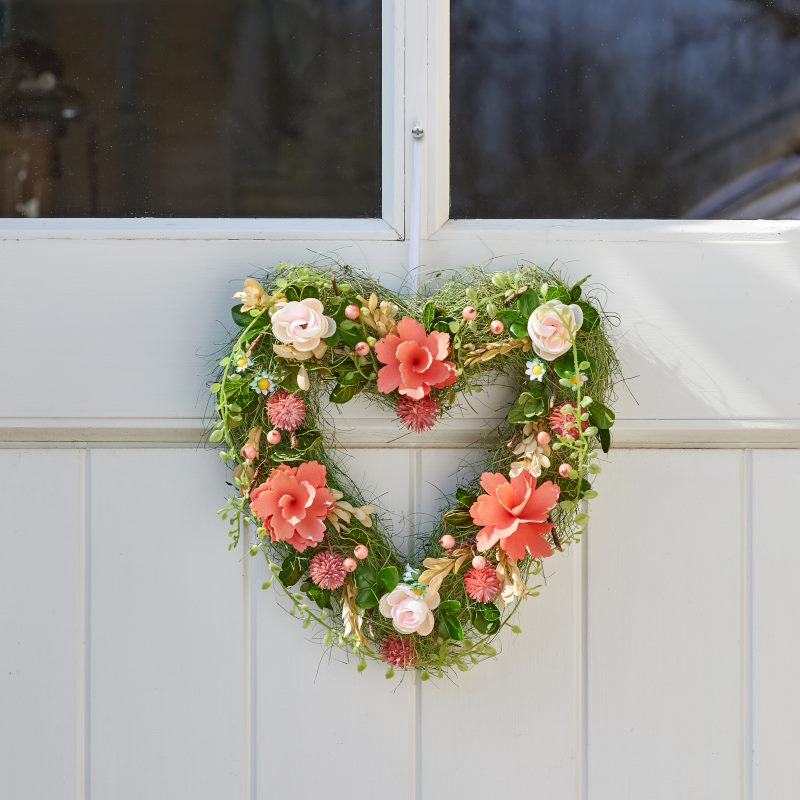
(285, 410)
(552, 328)
(514, 514)
(415, 361)
(397, 652)
(410, 609)
(559, 420)
(418, 415)
(293, 503)
(482, 584)
(301, 324)
(327, 570)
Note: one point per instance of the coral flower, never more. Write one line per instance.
(415, 361)
(286, 411)
(327, 570)
(514, 514)
(418, 415)
(293, 503)
(482, 584)
(559, 420)
(398, 652)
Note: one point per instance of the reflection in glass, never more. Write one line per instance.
(190, 108)
(625, 108)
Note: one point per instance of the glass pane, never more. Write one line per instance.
(190, 108)
(625, 108)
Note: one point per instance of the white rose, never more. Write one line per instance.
(411, 610)
(301, 324)
(552, 328)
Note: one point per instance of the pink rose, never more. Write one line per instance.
(415, 361)
(410, 609)
(301, 324)
(552, 328)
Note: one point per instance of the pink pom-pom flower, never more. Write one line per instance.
(286, 411)
(418, 415)
(398, 652)
(559, 421)
(327, 570)
(482, 584)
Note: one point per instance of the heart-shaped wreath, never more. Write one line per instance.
(306, 332)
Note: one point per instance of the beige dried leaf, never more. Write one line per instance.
(352, 615)
(378, 316)
(488, 351)
(512, 586)
(439, 568)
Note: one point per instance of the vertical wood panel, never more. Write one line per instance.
(664, 633)
(166, 655)
(40, 694)
(515, 719)
(322, 729)
(776, 598)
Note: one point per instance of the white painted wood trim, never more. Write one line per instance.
(438, 105)
(618, 230)
(272, 229)
(393, 35)
(383, 432)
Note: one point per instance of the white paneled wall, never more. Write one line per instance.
(141, 659)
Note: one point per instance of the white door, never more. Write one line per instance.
(140, 659)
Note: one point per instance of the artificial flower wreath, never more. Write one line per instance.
(307, 333)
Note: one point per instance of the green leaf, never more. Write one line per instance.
(527, 302)
(465, 497)
(367, 599)
(516, 416)
(449, 607)
(216, 435)
(575, 291)
(428, 315)
(565, 365)
(322, 597)
(601, 416)
(450, 627)
(350, 332)
(242, 320)
(534, 407)
(343, 393)
(604, 435)
(518, 330)
(386, 580)
(558, 293)
(458, 518)
(508, 316)
(364, 576)
(292, 569)
(591, 319)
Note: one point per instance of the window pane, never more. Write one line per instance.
(190, 108)
(625, 108)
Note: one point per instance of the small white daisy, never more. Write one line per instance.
(534, 370)
(577, 380)
(263, 383)
(242, 362)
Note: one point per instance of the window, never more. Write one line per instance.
(625, 108)
(190, 108)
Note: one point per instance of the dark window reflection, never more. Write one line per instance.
(625, 108)
(190, 108)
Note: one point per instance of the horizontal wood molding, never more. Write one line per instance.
(383, 432)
